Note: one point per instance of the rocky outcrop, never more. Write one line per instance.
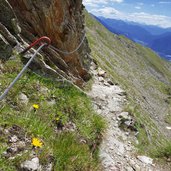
(6, 14)
(62, 21)
(5, 48)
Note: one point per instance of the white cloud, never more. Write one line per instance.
(138, 7)
(108, 12)
(140, 3)
(118, 1)
(160, 20)
(164, 2)
(96, 2)
(141, 17)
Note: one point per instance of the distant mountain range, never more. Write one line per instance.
(158, 39)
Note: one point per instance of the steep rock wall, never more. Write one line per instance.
(63, 22)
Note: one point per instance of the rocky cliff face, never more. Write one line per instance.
(62, 21)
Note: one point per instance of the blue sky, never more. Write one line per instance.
(150, 12)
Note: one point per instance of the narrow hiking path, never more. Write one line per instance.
(117, 152)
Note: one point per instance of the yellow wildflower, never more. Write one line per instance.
(57, 118)
(36, 106)
(37, 142)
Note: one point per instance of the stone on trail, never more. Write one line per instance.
(101, 79)
(101, 73)
(145, 159)
(169, 128)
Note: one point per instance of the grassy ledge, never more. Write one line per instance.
(64, 121)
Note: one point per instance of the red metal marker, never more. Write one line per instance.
(41, 40)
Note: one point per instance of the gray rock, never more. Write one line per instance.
(5, 48)
(1, 68)
(128, 123)
(101, 79)
(6, 131)
(70, 126)
(114, 168)
(44, 90)
(168, 127)
(23, 99)
(129, 168)
(136, 142)
(31, 165)
(13, 139)
(99, 111)
(123, 115)
(101, 73)
(137, 168)
(145, 159)
(107, 84)
(93, 66)
(121, 149)
(6, 14)
(16, 27)
(168, 160)
(110, 82)
(12, 150)
(127, 133)
(132, 162)
(49, 167)
(21, 145)
(8, 36)
(51, 102)
(5, 154)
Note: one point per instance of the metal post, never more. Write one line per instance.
(21, 72)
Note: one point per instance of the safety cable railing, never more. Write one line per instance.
(46, 42)
(71, 52)
(42, 39)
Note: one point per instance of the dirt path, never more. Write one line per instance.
(117, 152)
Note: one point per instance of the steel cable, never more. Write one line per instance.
(66, 52)
(21, 72)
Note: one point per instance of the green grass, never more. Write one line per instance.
(149, 136)
(164, 151)
(70, 105)
(168, 118)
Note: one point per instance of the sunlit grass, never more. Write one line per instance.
(38, 119)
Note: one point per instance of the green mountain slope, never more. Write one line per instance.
(142, 74)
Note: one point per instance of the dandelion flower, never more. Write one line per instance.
(57, 118)
(37, 142)
(35, 106)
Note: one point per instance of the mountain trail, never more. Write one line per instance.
(117, 151)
